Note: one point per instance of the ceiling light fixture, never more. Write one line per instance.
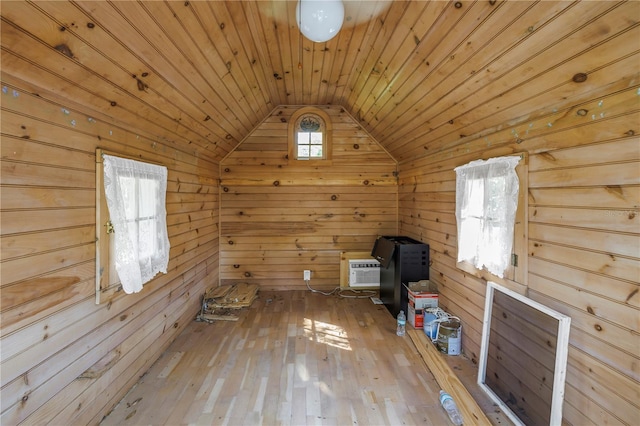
(319, 20)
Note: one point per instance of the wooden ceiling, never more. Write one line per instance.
(418, 75)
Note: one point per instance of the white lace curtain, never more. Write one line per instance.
(486, 203)
(136, 194)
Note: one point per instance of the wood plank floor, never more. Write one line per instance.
(293, 358)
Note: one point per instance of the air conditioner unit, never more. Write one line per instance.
(364, 273)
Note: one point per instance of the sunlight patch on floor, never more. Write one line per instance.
(328, 334)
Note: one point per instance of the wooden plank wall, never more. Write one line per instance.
(280, 216)
(583, 244)
(52, 330)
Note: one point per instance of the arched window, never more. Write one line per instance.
(310, 135)
(310, 131)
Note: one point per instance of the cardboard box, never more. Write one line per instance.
(422, 294)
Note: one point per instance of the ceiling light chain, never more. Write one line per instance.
(299, 15)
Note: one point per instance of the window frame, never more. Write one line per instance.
(327, 136)
(516, 275)
(108, 284)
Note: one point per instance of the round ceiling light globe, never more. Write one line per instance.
(319, 20)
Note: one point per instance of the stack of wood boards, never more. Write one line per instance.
(234, 296)
(218, 303)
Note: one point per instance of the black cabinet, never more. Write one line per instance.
(402, 260)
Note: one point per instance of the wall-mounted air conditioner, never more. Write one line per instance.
(364, 273)
(359, 270)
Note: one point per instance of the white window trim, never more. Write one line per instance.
(515, 277)
(108, 283)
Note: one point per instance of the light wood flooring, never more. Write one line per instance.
(294, 358)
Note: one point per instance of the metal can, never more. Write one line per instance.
(449, 337)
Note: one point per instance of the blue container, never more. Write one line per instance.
(430, 326)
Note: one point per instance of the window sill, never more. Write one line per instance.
(314, 161)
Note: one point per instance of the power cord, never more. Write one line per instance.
(358, 294)
(313, 290)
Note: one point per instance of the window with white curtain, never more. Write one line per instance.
(135, 196)
(486, 204)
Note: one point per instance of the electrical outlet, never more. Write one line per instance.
(307, 274)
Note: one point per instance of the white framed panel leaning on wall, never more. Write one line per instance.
(523, 356)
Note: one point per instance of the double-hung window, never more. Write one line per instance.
(487, 198)
(133, 242)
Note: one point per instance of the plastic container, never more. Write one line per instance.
(430, 326)
(451, 408)
(402, 324)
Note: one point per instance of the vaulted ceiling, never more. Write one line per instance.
(418, 75)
